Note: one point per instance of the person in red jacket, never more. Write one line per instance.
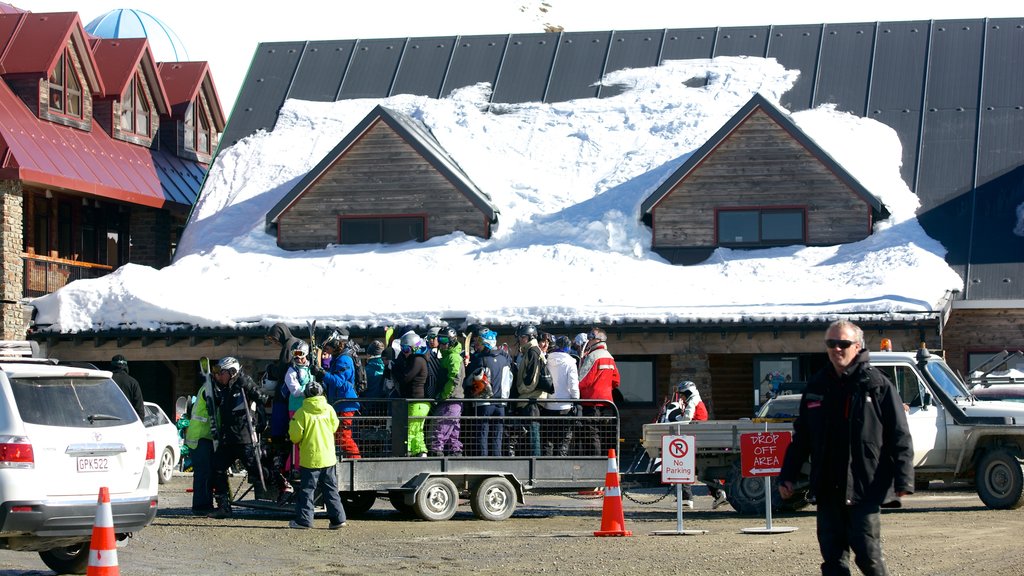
(690, 408)
(599, 375)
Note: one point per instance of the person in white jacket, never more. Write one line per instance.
(557, 426)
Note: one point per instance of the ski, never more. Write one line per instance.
(389, 332)
(314, 350)
(207, 391)
(257, 448)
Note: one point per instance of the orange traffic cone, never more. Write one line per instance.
(103, 547)
(613, 523)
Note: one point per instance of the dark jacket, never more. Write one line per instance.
(854, 429)
(410, 374)
(497, 362)
(132, 390)
(276, 372)
(232, 423)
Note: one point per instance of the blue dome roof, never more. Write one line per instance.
(131, 23)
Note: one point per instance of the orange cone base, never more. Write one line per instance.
(613, 533)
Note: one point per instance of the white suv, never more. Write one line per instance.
(66, 431)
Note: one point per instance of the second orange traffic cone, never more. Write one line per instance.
(103, 547)
(613, 522)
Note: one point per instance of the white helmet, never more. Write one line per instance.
(230, 365)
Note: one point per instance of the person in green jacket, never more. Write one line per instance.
(312, 428)
(448, 410)
(199, 437)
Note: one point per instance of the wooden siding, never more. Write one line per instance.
(760, 165)
(732, 396)
(981, 331)
(380, 174)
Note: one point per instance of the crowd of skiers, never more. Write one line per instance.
(314, 393)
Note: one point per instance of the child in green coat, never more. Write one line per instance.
(312, 428)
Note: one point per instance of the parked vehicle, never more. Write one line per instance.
(164, 434)
(955, 437)
(66, 431)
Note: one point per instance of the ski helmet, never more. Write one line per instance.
(597, 334)
(489, 338)
(411, 340)
(527, 330)
(580, 340)
(686, 388)
(119, 361)
(433, 332)
(299, 350)
(562, 343)
(230, 365)
(336, 338)
(447, 335)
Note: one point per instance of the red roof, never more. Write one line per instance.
(55, 156)
(117, 60)
(38, 41)
(6, 8)
(183, 80)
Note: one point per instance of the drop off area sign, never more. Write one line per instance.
(761, 453)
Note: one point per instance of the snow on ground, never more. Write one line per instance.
(568, 179)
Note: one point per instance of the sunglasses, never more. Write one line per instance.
(841, 344)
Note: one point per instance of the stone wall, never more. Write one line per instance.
(12, 316)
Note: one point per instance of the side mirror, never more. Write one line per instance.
(926, 400)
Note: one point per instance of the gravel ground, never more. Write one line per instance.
(940, 531)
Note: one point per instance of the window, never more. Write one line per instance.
(65, 93)
(637, 380)
(197, 127)
(135, 109)
(907, 383)
(381, 230)
(775, 376)
(760, 227)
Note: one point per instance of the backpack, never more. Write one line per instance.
(360, 380)
(544, 381)
(435, 375)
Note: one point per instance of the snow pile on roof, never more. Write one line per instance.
(568, 179)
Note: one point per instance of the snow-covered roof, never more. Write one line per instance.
(569, 180)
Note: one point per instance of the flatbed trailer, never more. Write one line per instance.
(432, 487)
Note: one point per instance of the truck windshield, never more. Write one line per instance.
(946, 380)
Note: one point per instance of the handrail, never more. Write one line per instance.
(45, 274)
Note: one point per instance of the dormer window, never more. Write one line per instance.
(197, 127)
(135, 109)
(65, 94)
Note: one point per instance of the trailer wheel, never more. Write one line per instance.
(1000, 480)
(357, 503)
(493, 499)
(746, 495)
(437, 499)
(398, 503)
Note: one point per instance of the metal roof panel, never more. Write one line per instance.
(947, 161)
(845, 66)
(526, 68)
(687, 44)
(955, 70)
(423, 67)
(269, 77)
(580, 59)
(742, 41)
(320, 70)
(631, 49)
(372, 69)
(475, 59)
(796, 48)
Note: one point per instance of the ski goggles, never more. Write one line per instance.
(298, 354)
(443, 340)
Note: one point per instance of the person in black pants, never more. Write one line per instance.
(853, 427)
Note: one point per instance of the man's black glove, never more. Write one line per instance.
(318, 372)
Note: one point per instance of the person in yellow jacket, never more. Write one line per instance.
(199, 437)
(312, 428)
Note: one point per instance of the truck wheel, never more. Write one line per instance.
(437, 499)
(746, 495)
(493, 499)
(398, 503)
(1000, 480)
(67, 560)
(357, 503)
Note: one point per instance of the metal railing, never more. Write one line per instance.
(44, 274)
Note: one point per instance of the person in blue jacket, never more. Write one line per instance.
(340, 388)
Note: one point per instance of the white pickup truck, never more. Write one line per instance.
(956, 437)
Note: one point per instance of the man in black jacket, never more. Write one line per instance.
(127, 384)
(238, 426)
(853, 427)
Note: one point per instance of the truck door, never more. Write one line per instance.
(927, 419)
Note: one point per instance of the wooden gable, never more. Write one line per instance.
(760, 160)
(387, 168)
(131, 79)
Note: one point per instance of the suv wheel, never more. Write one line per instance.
(166, 469)
(67, 560)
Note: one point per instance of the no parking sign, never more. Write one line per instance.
(678, 462)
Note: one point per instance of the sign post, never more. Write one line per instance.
(761, 455)
(678, 466)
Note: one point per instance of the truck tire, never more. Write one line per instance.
(437, 499)
(999, 479)
(67, 559)
(357, 503)
(746, 495)
(493, 499)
